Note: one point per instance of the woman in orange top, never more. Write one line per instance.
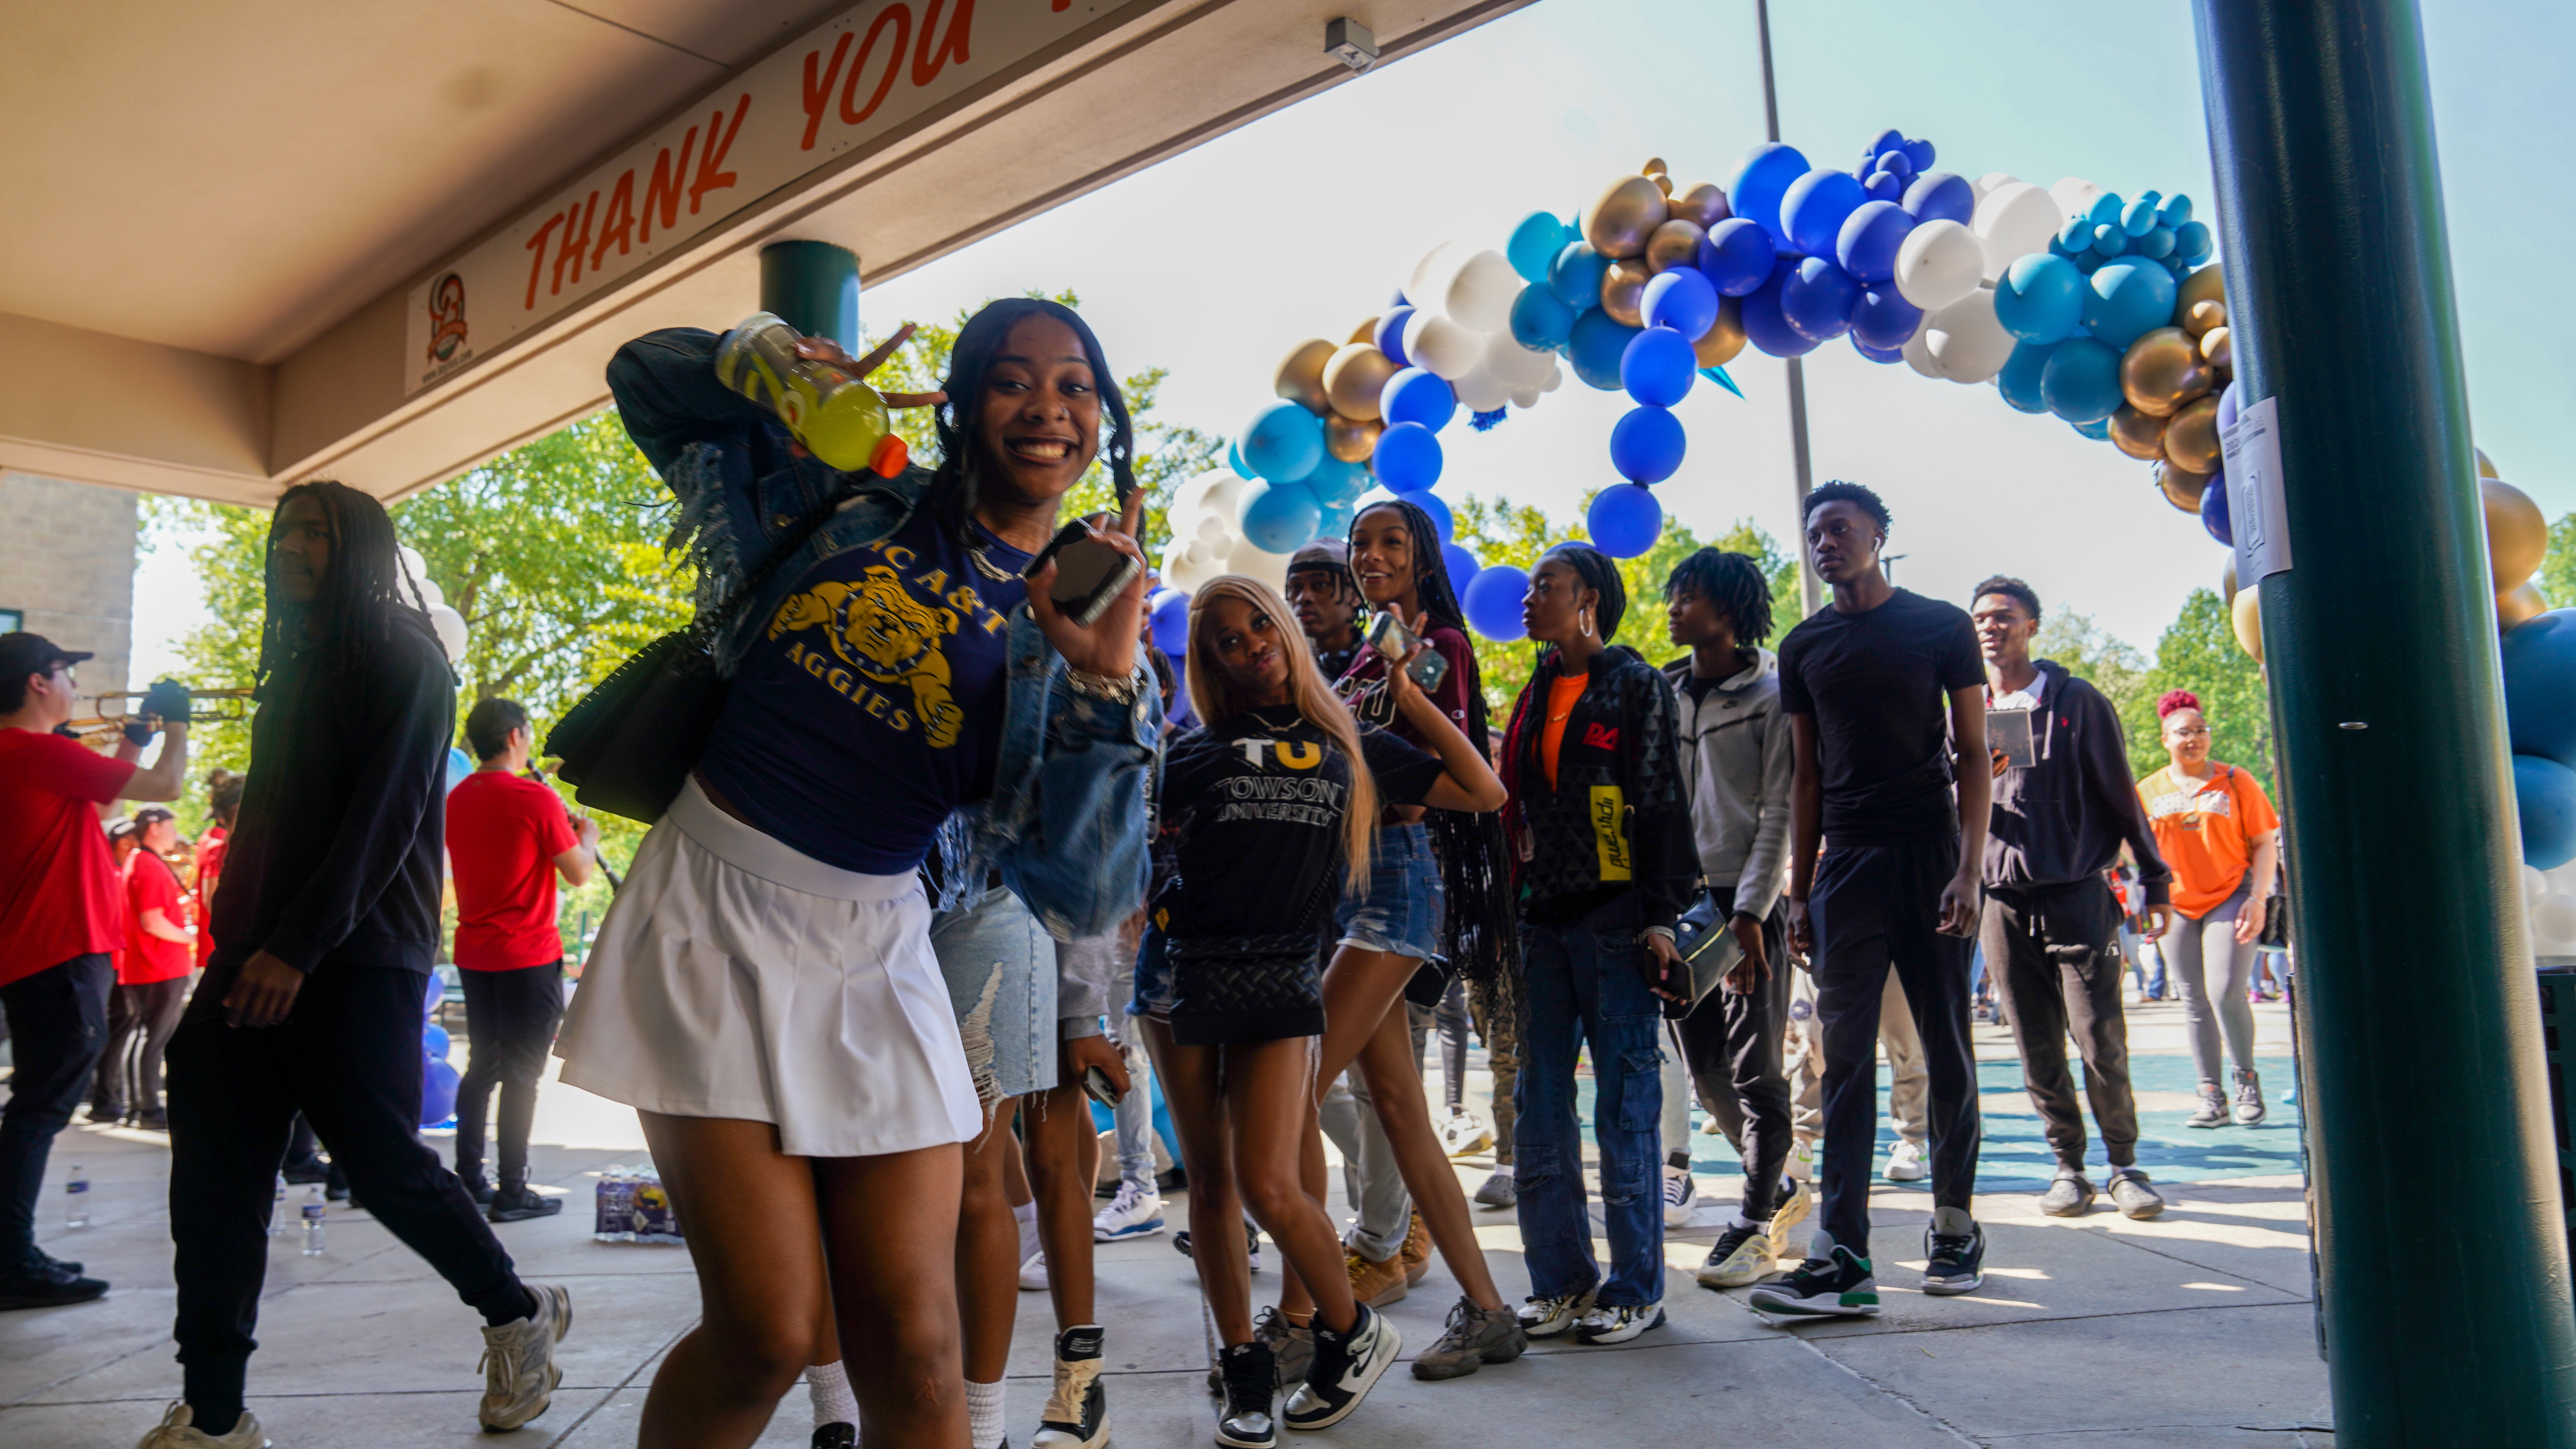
(2217, 830)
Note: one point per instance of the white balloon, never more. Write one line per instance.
(1482, 392)
(1481, 297)
(431, 595)
(451, 631)
(1938, 263)
(1442, 347)
(1526, 399)
(2074, 197)
(1212, 491)
(2553, 925)
(1918, 350)
(1427, 290)
(1190, 570)
(1994, 181)
(1215, 528)
(2562, 881)
(1515, 364)
(2014, 221)
(1255, 562)
(1966, 341)
(1555, 377)
(2534, 884)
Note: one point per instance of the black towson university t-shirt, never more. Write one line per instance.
(1877, 685)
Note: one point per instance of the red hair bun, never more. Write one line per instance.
(2175, 699)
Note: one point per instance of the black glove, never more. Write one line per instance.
(167, 698)
(139, 734)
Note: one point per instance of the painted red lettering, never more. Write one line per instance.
(709, 178)
(928, 62)
(663, 191)
(900, 17)
(575, 241)
(819, 96)
(619, 225)
(537, 265)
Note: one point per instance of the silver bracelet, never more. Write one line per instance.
(1101, 686)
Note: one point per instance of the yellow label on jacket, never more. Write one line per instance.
(1609, 831)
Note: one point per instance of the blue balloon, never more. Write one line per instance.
(1765, 327)
(1646, 445)
(1595, 347)
(1170, 611)
(1280, 517)
(2082, 381)
(437, 1093)
(1737, 256)
(1624, 520)
(433, 1040)
(1941, 196)
(1882, 320)
(2175, 212)
(459, 765)
(1760, 187)
(1234, 460)
(1407, 458)
(1884, 186)
(1416, 396)
(1920, 153)
(1877, 354)
(2544, 796)
(1575, 276)
(1430, 503)
(2227, 409)
(2157, 244)
(1463, 566)
(1897, 164)
(2540, 686)
(1682, 299)
(1885, 141)
(1658, 366)
(1389, 335)
(1335, 481)
(2075, 236)
(1867, 244)
(1815, 208)
(1816, 299)
(2213, 511)
(2109, 239)
(2106, 209)
(2099, 430)
(1335, 522)
(1541, 321)
(1492, 601)
(2124, 300)
(2191, 243)
(2139, 216)
(2040, 298)
(1534, 244)
(1283, 442)
(2019, 381)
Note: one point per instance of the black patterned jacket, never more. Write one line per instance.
(1617, 814)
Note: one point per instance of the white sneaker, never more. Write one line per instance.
(519, 1372)
(177, 1430)
(1033, 1275)
(1680, 1191)
(1136, 1212)
(1906, 1163)
(1463, 1132)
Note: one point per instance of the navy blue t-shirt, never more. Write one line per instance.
(871, 707)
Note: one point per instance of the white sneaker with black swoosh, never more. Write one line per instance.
(1346, 1367)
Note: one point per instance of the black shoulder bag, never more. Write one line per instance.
(630, 744)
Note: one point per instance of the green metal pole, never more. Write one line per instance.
(814, 287)
(2442, 1251)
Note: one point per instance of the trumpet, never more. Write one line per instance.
(103, 727)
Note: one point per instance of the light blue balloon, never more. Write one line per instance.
(2040, 298)
(2175, 212)
(2191, 243)
(1576, 275)
(1463, 566)
(2544, 798)
(1407, 458)
(1430, 503)
(1682, 299)
(459, 765)
(2082, 381)
(1867, 244)
(2109, 239)
(1595, 347)
(2157, 244)
(1762, 184)
(1541, 320)
(1492, 602)
(2075, 236)
(1625, 518)
(2019, 382)
(1335, 523)
(2139, 217)
(1416, 396)
(1234, 460)
(1658, 366)
(2099, 430)
(2540, 686)
(2106, 209)
(1335, 481)
(1283, 442)
(2125, 299)
(1815, 208)
(1534, 244)
(1279, 517)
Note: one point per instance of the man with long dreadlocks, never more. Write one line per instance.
(312, 1002)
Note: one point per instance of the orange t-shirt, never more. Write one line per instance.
(2202, 828)
(1561, 695)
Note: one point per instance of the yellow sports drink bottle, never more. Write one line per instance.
(838, 418)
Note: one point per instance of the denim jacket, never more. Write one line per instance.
(1065, 825)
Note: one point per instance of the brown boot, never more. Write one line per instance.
(1376, 1284)
(1416, 1253)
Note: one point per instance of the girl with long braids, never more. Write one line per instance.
(1274, 807)
(765, 991)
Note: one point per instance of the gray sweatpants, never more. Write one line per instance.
(2210, 1006)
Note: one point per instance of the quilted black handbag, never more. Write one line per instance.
(1707, 946)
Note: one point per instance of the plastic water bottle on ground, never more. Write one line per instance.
(76, 1198)
(314, 1212)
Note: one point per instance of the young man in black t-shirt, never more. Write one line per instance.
(1880, 690)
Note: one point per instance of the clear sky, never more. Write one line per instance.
(1214, 263)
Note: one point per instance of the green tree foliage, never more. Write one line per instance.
(2199, 652)
(2557, 576)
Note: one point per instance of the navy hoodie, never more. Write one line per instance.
(2065, 817)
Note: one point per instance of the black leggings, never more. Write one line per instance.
(510, 1017)
(139, 1022)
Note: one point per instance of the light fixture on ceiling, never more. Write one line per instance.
(1350, 42)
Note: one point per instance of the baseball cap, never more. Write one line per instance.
(151, 813)
(22, 654)
(1328, 554)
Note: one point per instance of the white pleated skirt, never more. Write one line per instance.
(737, 977)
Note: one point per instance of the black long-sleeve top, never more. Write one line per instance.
(1615, 819)
(335, 858)
(2064, 817)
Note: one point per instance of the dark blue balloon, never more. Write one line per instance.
(2082, 381)
(1884, 186)
(2213, 511)
(1682, 299)
(1624, 520)
(1897, 164)
(1534, 244)
(1541, 321)
(1764, 327)
(1817, 299)
(1885, 141)
(1463, 567)
(1646, 445)
(438, 1081)
(1882, 320)
(2019, 382)
(1815, 207)
(1430, 503)
(1737, 256)
(1658, 366)
(1170, 610)
(1389, 336)
(1594, 348)
(1492, 601)
(1760, 186)
(2544, 797)
(1407, 458)
(1921, 154)
(1416, 396)
(1877, 354)
(1867, 244)
(2540, 686)
(1576, 275)
(1941, 196)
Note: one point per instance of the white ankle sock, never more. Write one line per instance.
(985, 1420)
(829, 1387)
(1741, 1221)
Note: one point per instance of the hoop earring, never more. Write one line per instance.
(1583, 620)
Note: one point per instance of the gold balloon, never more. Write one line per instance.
(1365, 332)
(1702, 203)
(1674, 244)
(2486, 465)
(1627, 214)
(2138, 433)
(2182, 487)
(2160, 372)
(1623, 292)
(1663, 184)
(2517, 607)
(1354, 378)
(1725, 337)
(2205, 285)
(1301, 376)
(2517, 536)
(2203, 316)
(2246, 613)
(2218, 344)
(2227, 580)
(1654, 166)
(2191, 438)
(1351, 439)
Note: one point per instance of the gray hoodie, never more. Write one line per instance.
(1735, 773)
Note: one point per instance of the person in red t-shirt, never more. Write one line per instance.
(151, 975)
(223, 802)
(59, 911)
(507, 838)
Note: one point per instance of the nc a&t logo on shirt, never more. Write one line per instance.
(889, 637)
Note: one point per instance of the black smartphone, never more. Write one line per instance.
(1088, 573)
(1389, 637)
(1095, 1085)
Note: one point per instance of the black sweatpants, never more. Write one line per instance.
(1874, 907)
(139, 1022)
(510, 1017)
(349, 1057)
(1732, 1047)
(57, 1028)
(2054, 954)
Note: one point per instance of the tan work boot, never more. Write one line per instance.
(1416, 1252)
(1376, 1284)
